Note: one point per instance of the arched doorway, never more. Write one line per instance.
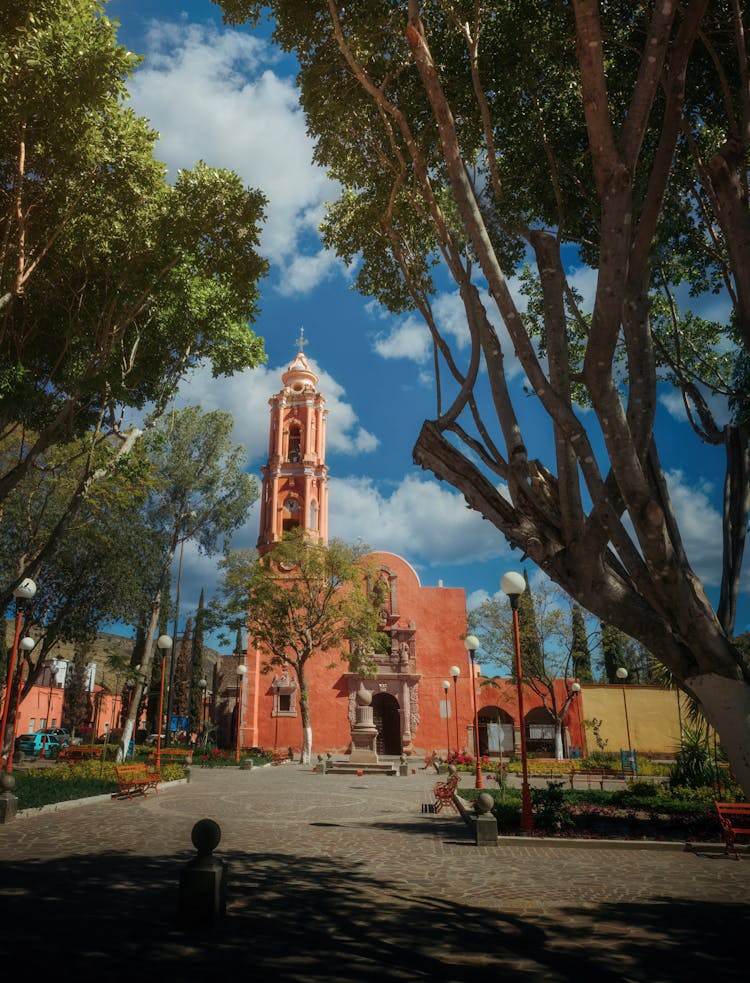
(495, 732)
(386, 716)
(540, 732)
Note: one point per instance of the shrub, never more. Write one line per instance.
(694, 766)
(550, 811)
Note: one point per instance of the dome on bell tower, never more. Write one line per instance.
(299, 376)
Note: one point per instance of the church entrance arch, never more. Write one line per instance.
(386, 716)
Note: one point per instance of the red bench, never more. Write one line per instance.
(135, 779)
(734, 818)
(444, 792)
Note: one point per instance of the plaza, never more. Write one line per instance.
(340, 878)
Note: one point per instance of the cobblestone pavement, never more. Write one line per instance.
(340, 878)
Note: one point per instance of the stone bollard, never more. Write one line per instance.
(403, 768)
(486, 824)
(8, 801)
(246, 764)
(186, 769)
(202, 899)
(320, 767)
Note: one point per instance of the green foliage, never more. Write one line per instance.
(694, 765)
(548, 805)
(114, 282)
(580, 653)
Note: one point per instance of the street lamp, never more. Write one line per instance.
(513, 585)
(622, 674)
(472, 644)
(241, 670)
(24, 592)
(52, 679)
(446, 687)
(455, 673)
(26, 645)
(164, 644)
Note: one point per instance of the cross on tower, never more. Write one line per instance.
(301, 341)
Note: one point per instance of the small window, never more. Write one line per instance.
(285, 702)
(32, 725)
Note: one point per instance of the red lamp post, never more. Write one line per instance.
(241, 670)
(24, 592)
(26, 645)
(513, 584)
(455, 673)
(446, 687)
(164, 644)
(472, 644)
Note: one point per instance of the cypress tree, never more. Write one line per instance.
(613, 651)
(182, 671)
(531, 649)
(196, 663)
(580, 652)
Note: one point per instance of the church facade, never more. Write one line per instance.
(422, 692)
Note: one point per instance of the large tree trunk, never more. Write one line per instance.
(304, 707)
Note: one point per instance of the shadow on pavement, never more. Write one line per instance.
(112, 916)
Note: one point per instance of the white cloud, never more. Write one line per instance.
(246, 394)
(214, 96)
(700, 525)
(673, 402)
(422, 520)
(408, 338)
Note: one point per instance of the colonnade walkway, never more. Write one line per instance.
(344, 878)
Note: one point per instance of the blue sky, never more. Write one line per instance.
(228, 97)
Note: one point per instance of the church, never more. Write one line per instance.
(422, 693)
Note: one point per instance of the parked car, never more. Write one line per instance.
(32, 744)
(62, 732)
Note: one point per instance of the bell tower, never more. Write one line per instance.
(295, 478)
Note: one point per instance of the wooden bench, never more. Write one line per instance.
(279, 756)
(135, 779)
(80, 752)
(735, 821)
(181, 755)
(444, 792)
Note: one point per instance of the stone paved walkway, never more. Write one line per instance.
(338, 878)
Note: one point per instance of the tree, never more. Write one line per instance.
(303, 600)
(199, 492)
(77, 701)
(580, 653)
(113, 282)
(457, 156)
(554, 651)
(182, 671)
(613, 651)
(196, 667)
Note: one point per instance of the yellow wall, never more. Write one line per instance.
(652, 716)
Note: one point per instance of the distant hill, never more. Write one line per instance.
(106, 645)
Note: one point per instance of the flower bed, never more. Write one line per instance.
(605, 815)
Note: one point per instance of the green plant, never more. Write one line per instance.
(550, 811)
(647, 790)
(594, 725)
(694, 765)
